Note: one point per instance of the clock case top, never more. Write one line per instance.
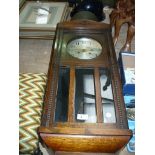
(65, 32)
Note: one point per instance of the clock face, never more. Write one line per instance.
(84, 48)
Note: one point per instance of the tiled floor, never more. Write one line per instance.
(34, 56)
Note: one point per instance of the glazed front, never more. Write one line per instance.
(83, 107)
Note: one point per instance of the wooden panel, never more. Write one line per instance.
(80, 153)
(86, 125)
(71, 95)
(77, 143)
(87, 131)
(98, 96)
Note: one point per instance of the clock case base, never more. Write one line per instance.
(83, 143)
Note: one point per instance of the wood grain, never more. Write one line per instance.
(82, 143)
(75, 136)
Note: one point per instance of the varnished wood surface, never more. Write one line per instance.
(84, 137)
(81, 24)
(71, 95)
(98, 96)
(124, 12)
(85, 131)
(80, 153)
(108, 58)
(82, 143)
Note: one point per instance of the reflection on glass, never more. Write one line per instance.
(85, 108)
(107, 97)
(39, 15)
(61, 112)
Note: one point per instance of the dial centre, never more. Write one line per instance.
(84, 50)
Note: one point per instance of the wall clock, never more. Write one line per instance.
(84, 109)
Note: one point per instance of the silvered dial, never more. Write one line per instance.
(84, 48)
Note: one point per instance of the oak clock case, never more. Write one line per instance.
(83, 107)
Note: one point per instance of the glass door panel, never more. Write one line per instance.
(61, 112)
(107, 97)
(85, 104)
